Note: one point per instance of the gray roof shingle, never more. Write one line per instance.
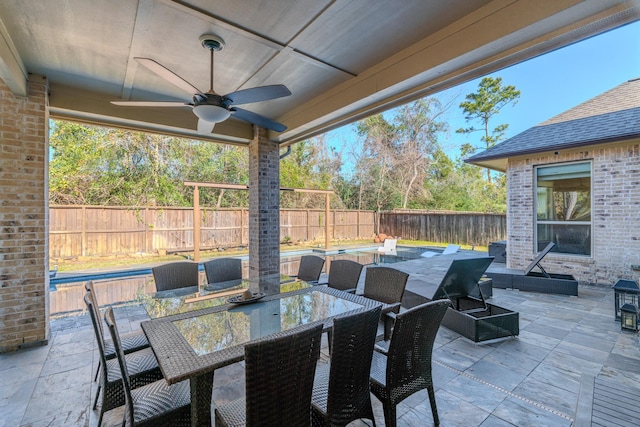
(611, 116)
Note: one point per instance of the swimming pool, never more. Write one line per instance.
(117, 287)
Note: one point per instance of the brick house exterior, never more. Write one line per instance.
(603, 133)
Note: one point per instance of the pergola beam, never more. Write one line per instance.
(196, 208)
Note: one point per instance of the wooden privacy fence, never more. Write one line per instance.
(467, 228)
(102, 231)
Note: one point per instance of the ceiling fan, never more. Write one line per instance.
(210, 107)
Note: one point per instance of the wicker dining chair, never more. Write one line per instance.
(310, 268)
(344, 274)
(341, 390)
(386, 285)
(174, 275)
(132, 341)
(405, 367)
(279, 381)
(143, 366)
(153, 404)
(223, 270)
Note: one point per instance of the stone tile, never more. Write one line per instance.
(452, 411)
(493, 421)
(492, 373)
(514, 359)
(548, 395)
(14, 400)
(71, 362)
(523, 414)
(557, 377)
(71, 348)
(540, 328)
(56, 402)
(475, 392)
(538, 340)
(582, 352)
(572, 363)
(453, 358)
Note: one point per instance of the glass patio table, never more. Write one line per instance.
(182, 300)
(193, 344)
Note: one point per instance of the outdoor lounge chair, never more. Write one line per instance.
(155, 403)
(279, 381)
(223, 273)
(133, 341)
(405, 367)
(450, 249)
(389, 246)
(176, 275)
(310, 268)
(532, 281)
(142, 366)
(341, 390)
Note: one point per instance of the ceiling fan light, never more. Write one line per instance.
(211, 113)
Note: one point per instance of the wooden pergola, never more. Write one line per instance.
(196, 208)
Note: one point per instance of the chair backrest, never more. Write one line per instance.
(310, 268)
(110, 319)
(390, 243)
(344, 274)
(451, 249)
(88, 286)
(411, 346)
(279, 378)
(175, 275)
(223, 270)
(96, 320)
(385, 284)
(353, 339)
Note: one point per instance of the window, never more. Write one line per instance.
(563, 207)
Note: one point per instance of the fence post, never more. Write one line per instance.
(83, 243)
(196, 224)
(148, 244)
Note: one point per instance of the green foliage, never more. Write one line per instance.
(99, 166)
(483, 105)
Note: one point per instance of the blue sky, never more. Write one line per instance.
(549, 85)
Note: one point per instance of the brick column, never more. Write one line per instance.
(24, 216)
(264, 213)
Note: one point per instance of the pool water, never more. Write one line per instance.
(124, 286)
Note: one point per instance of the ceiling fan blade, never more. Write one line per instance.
(151, 103)
(257, 94)
(169, 75)
(205, 127)
(258, 119)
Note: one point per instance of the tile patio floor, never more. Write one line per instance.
(531, 380)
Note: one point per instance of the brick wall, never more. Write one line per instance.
(264, 215)
(24, 145)
(615, 217)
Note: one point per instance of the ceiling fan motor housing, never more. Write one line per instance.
(212, 42)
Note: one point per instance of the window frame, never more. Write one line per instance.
(537, 222)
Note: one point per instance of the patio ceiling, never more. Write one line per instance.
(341, 59)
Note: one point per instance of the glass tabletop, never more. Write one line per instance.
(174, 301)
(243, 323)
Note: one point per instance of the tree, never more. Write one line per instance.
(485, 103)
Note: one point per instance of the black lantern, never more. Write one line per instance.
(629, 317)
(626, 292)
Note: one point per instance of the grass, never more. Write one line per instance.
(127, 261)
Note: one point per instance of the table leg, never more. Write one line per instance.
(201, 389)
